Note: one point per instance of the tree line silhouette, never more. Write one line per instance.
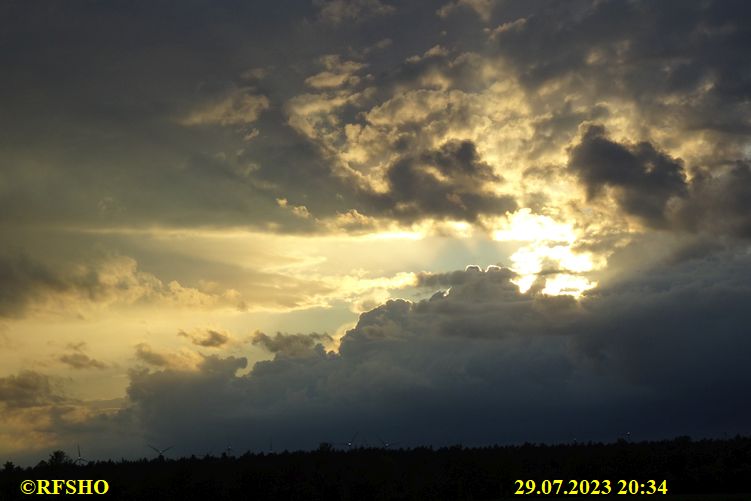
(385, 473)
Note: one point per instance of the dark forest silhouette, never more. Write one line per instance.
(389, 473)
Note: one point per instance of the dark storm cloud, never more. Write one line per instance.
(447, 183)
(644, 179)
(683, 345)
(659, 354)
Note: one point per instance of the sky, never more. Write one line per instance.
(239, 223)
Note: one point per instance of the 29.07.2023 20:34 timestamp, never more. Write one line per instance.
(593, 487)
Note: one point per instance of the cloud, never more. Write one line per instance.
(313, 115)
(518, 91)
(719, 204)
(182, 360)
(338, 11)
(645, 180)
(483, 8)
(278, 278)
(451, 182)
(478, 364)
(639, 53)
(292, 345)
(73, 288)
(337, 73)
(240, 107)
(208, 338)
(516, 25)
(81, 361)
(484, 363)
(33, 411)
(653, 186)
(29, 389)
(24, 281)
(450, 279)
(146, 354)
(588, 115)
(298, 210)
(418, 118)
(77, 359)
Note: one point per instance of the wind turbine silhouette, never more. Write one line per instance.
(386, 444)
(80, 458)
(351, 442)
(160, 451)
(228, 451)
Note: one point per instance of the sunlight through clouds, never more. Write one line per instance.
(548, 248)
